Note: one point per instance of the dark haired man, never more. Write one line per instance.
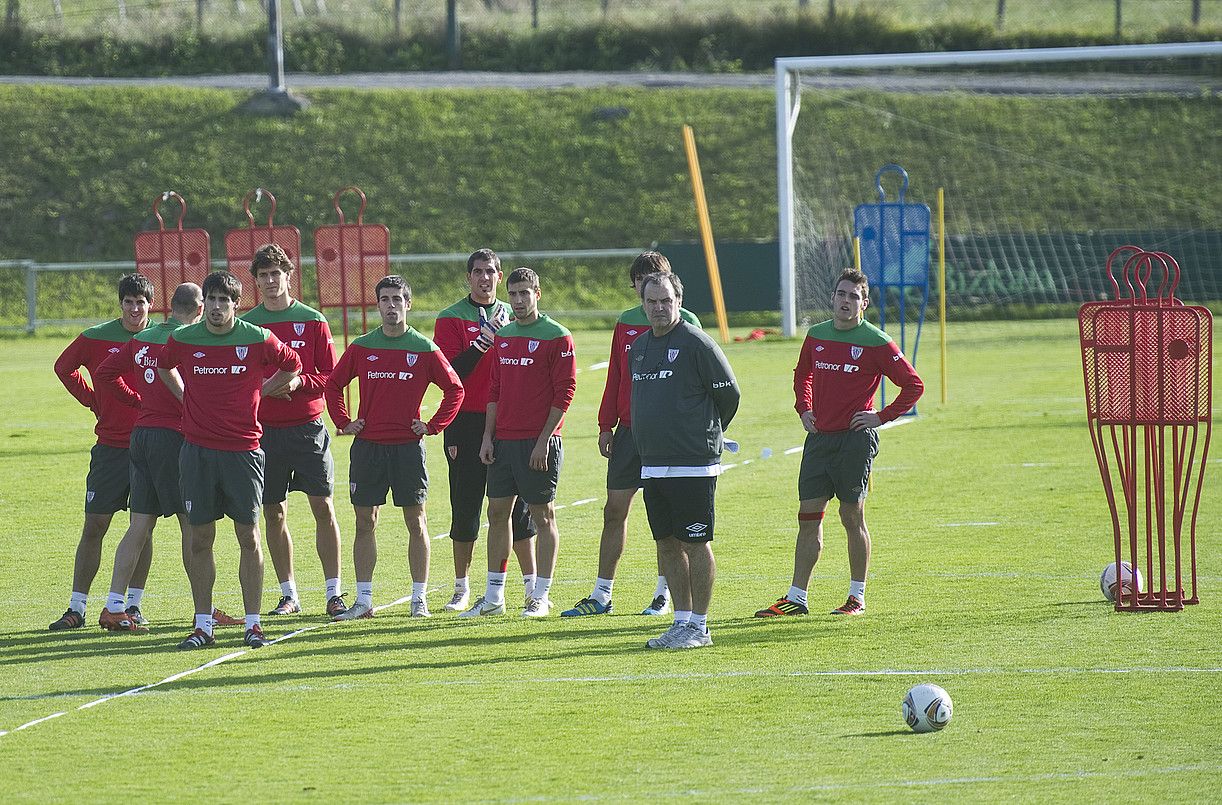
(841, 364)
(106, 485)
(295, 440)
(464, 332)
(221, 362)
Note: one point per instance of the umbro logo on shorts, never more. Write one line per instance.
(697, 529)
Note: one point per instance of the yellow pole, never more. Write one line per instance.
(706, 234)
(942, 282)
(856, 253)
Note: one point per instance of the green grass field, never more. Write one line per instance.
(989, 527)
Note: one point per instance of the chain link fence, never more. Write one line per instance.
(386, 18)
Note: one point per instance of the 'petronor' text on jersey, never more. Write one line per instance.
(661, 374)
(848, 368)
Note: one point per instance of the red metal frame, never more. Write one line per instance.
(1147, 370)
(349, 259)
(242, 243)
(172, 257)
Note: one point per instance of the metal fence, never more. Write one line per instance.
(142, 18)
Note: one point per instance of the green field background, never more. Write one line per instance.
(990, 529)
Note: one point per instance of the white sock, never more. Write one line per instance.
(418, 590)
(495, 592)
(797, 595)
(683, 615)
(700, 621)
(528, 581)
(204, 623)
(543, 586)
(289, 588)
(857, 589)
(114, 603)
(134, 596)
(602, 590)
(333, 588)
(364, 593)
(661, 589)
(462, 585)
(252, 621)
(78, 601)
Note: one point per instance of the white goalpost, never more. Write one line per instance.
(1027, 214)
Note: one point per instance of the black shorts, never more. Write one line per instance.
(107, 484)
(624, 465)
(298, 460)
(837, 464)
(154, 472)
(510, 473)
(375, 469)
(468, 480)
(681, 507)
(220, 483)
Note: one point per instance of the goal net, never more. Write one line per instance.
(1049, 159)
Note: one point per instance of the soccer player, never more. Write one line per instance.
(295, 440)
(839, 368)
(155, 444)
(534, 375)
(684, 396)
(106, 485)
(394, 365)
(464, 332)
(221, 362)
(615, 443)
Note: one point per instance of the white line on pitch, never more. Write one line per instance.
(962, 525)
(793, 450)
(600, 365)
(37, 721)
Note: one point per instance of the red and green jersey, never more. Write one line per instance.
(533, 372)
(838, 372)
(455, 332)
(223, 377)
(393, 373)
(115, 418)
(616, 408)
(307, 333)
(131, 373)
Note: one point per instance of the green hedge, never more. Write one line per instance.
(724, 44)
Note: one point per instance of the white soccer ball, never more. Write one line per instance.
(1108, 584)
(927, 708)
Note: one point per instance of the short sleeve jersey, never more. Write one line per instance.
(534, 370)
(454, 332)
(223, 376)
(115, 417)
(307, 333)
(838, 372)
(616, 407)
(158, 407)
(393, 373)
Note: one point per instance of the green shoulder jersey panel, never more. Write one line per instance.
(636, 317)
(243, 333)
(411, 341)
(159, 333)
(544, 329)
(467, 310)
(112, 330)
(296, 312)
(863, 335)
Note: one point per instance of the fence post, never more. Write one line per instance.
(1196, 13)
(31, 296)
(12, 13)
(199, 17)
(1001, 14)
(452, 36)
(398, 18)
(1119, 19)
(534, 14)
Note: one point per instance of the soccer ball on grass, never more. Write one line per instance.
(1109, 584)
(927, 708)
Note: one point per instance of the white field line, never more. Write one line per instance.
(966, 525)
(210, 664)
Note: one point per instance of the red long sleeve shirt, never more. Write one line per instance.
(223, 379)
(393, 373)
(616, 407)
(131, 373)
(534, 371)
(307, 333)
(115, 417)
(454, 332)
(838, 372)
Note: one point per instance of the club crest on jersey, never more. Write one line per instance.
(241, 352)
(671, 355)
(532, 345)
(411, 358)
(299, 327)
(856, 352)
